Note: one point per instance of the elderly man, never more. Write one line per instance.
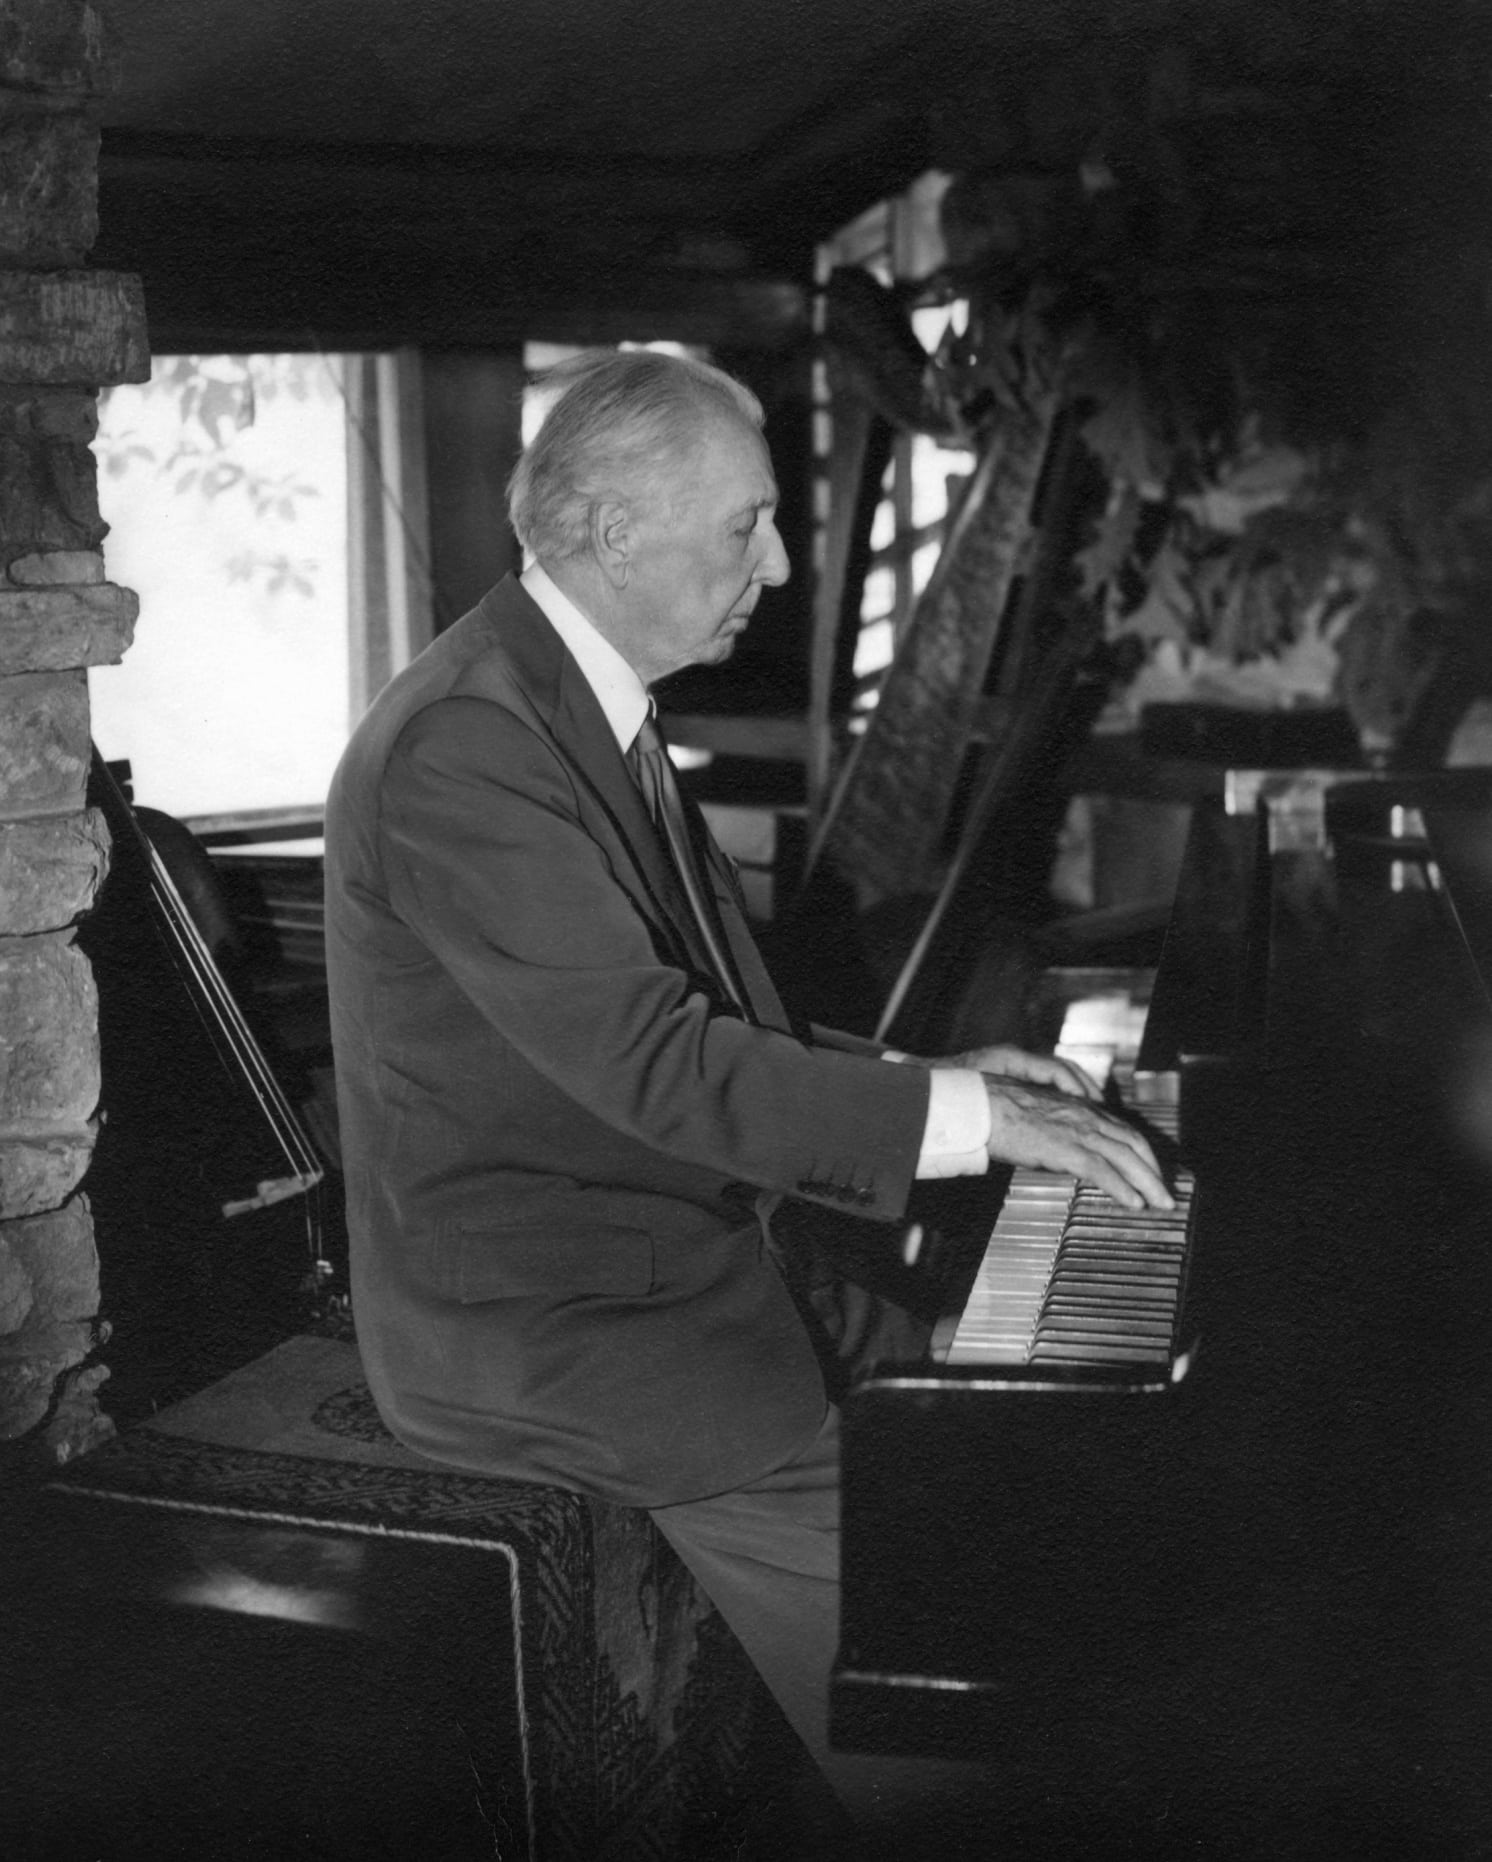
(570, 1096)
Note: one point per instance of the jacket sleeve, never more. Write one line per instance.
(487, 859)
(843, 1043)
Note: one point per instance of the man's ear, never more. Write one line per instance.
(613, 539)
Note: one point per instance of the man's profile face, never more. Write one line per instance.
(706, 549)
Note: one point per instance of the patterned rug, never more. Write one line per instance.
(638, 1715)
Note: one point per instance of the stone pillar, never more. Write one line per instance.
(64, 332)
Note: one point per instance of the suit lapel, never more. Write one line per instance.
(572, 713)
(581, 728)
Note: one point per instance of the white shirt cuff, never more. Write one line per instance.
(955, 1140)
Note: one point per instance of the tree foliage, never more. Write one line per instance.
(218, 398)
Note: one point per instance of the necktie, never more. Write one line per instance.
(653, 773)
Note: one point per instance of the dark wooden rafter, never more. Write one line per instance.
(513, 195)
(371, 246)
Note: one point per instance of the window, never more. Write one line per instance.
(269, 511)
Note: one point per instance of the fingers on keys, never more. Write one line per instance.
(1053, 1131)
(1125, 1167)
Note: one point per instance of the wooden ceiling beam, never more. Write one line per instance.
(252, 244)
(241, 307)
(202, 163)
(275, 246)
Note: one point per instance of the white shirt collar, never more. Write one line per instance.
(619, 691)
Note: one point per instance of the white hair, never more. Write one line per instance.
(622, 422)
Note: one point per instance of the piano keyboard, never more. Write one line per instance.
(1072, 1277)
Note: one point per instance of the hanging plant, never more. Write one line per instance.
(1253, 547)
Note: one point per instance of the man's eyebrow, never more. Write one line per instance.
(756, 504)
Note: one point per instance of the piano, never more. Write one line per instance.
(1179, 1530)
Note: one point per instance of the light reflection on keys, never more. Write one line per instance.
(1072, 1277)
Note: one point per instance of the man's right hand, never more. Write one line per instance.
(1048, 1130)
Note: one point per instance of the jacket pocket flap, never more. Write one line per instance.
(496, 1263)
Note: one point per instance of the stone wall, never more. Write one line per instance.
(64, 333)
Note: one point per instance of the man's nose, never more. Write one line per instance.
(774, 568)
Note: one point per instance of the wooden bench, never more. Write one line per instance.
(303, 1634)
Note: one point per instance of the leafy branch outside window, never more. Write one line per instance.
(217, 399)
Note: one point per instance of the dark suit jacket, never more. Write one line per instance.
(556, 1136)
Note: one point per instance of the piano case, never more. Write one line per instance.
(1228, 1611)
